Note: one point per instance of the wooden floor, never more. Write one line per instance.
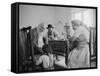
(59, 65)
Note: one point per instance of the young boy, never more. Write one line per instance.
(46, 59)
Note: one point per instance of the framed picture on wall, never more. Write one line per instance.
(53, 37)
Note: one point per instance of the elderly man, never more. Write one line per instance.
(79, 56)
(68, 33)
(37, 35)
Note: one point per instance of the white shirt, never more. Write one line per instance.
(45, 60)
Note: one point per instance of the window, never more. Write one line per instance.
(87, 16)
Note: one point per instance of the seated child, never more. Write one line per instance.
(46, 59)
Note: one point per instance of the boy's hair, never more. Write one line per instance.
(47, 49)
